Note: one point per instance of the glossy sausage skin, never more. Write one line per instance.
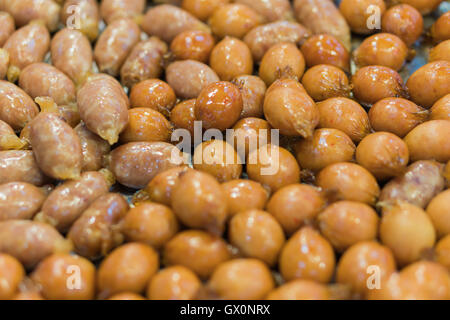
(56, 146)
(20, 200)
(144, 62)
(103, 106)
(68, 201)
(20, 165)
(27, 45)
(7, 27)
(421, 182)
(44, 80)
(72, 54)
(24, 11)
(135, 164)
(30, 242)
(261, 38)
(93, 148)
(96, 232)
(8, 138)
(17, 108)
(89, 16)
(114, 45)
(322, 16)
(167, 21)
(121, 9)
(189, 77)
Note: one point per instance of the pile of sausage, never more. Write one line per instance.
(93, 91)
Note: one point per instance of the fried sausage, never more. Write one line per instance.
(20, 165)
(96, 232)
(20, 200)
(103, 106)
(136, 163)
(114, 45)
(17, 108)
(144, 62)
(44, 80)
(322, 16)
(72, 54)
(30, 241)
(56, 146)
(67, 202)
(167, 21)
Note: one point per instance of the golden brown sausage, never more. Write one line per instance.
(167, 21)
(144, 62)
(88, 16)
(135, 164)
(30, 241)
(68, 201)
(24, 11)
(20, 200)
(93, 148)
(20, 165)
(261, 38)
(103, 106)
(27, 45)
(322, 16)
(121, 9)
(72, 54)
(189, 77)
(56, 146)
(44, 80)
(114, 45)
(17, 107)
(96, 232)
(420, 183)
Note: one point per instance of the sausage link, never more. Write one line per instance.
(27, 45)
(97, 231)
(56, 146)
(114, 45)
(261, 38)
(20, 165)
(167, 21)
(103, 106)
(322, 16)
(24, 11)
(144, 62)
(72, 54)
(67, 202)
(30, 241)
(20, 200)
(17, 108)
(88, 16)
(189, 77)
(44, 80)
(93, 147)
(136, 163)
(121, 9)
(420, 183)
